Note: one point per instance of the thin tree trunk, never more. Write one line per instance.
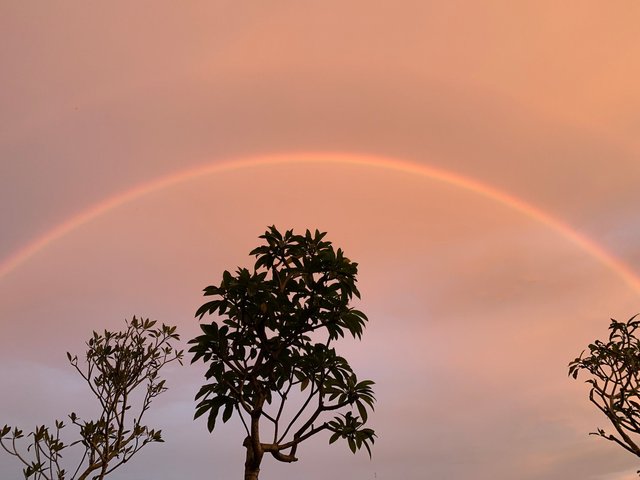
(251, 474)
(252, 461)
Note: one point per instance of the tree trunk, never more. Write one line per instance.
(250, 474)
(252, 462)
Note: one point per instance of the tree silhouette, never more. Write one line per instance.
(117, 363)
(276, 329)
(614, 369)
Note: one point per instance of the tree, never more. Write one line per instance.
(614, 369)
(276, 330)
(117, 363)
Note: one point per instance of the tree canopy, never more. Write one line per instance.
(614, 375)
(276, 330)
(116, 365)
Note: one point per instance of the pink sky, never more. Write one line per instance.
(475, 307)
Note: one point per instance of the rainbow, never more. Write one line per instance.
(591, 247)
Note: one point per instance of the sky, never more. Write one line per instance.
(479, 160)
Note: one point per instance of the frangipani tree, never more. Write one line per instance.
(275, 334)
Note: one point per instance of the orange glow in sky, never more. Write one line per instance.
(479, 160)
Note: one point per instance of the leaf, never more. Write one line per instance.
(362, 410)
(304, 384)
(366, 445)
(201, 410)
(211, 422)
(352, 444)
(228, 410)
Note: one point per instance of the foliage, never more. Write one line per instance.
(614, 367)
(278, 324)
(117, 363)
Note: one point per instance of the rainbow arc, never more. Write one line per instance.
(24, 254)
